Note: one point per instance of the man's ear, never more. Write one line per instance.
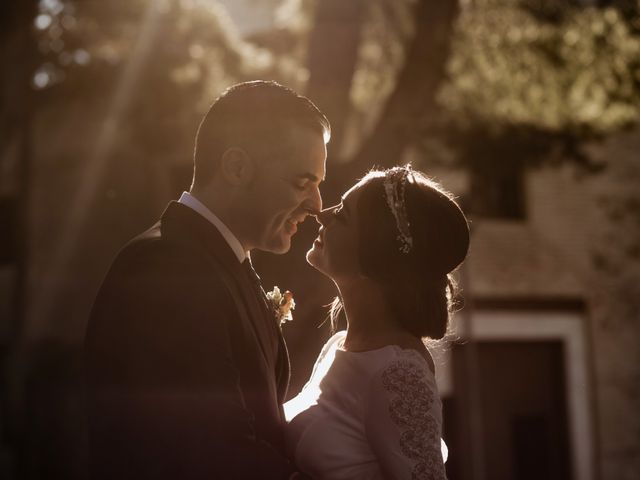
(237, 167)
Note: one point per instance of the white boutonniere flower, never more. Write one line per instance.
(281, 304)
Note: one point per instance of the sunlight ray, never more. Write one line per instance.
(93, 170)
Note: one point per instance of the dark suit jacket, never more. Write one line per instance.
(185, 366)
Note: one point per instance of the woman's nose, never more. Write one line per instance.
(325, 216)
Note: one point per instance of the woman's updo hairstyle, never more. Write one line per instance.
(418, 282)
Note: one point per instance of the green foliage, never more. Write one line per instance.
(534, 65)
(197, 47)
(578, 74)
(166, 60)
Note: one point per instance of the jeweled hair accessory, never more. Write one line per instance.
(395, 183)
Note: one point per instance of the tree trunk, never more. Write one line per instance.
(413, 98)
(332, 57)
(18, 55)
(333, 51)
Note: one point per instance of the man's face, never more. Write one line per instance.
(286, 190)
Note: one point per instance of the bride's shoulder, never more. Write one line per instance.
(406, 375)
(411, 362)
(415, 350)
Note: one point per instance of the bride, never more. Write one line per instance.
(371, 408)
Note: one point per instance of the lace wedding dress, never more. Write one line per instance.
(367, 415)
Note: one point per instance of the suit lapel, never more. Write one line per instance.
(183, 224)
(283, 371)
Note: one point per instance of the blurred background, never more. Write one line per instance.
(527, 109)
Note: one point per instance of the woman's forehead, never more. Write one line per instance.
(352, 194)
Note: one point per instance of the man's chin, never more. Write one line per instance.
(279, 247)
(282, 251)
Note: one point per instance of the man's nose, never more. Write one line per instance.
(314, 202)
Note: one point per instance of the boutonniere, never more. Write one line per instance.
(281, 304)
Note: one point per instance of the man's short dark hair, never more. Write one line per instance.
(256, 116)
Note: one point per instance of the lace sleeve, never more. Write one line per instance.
(403, 421)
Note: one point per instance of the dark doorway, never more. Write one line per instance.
(521, 401)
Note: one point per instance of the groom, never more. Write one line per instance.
(186, 366)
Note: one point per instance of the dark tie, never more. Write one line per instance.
(255, 280)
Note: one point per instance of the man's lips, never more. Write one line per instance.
(291, 223)
(291, 227)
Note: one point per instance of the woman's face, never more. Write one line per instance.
(335, 252)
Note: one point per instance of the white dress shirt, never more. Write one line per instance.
(192, 202)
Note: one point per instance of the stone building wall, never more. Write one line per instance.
(579, 241)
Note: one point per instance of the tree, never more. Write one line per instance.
(17, 54)
(333, 50)
(572, 76)
(415, 93)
